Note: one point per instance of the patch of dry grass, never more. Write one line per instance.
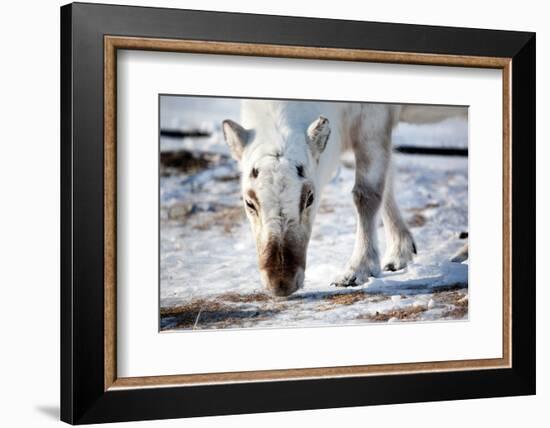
(221, 312)
(417, 220)
(245, 298)
(332, 300)
(228, 218)
(347, 298)
(193, 306)
(428, 206)
(326, 208)
(458, 312)
(182, 161)
(409, 313)
(456, 302)
(185, 315)
(234, 310)
(227, 177)
(456, 298)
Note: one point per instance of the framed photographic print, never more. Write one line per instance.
(266, 213)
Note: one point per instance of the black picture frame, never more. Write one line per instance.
(83, 398)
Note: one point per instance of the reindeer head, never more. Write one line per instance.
(279, 183)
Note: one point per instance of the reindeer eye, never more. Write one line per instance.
(310, 200)
(250, 206)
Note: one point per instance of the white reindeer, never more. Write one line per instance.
(288, 151)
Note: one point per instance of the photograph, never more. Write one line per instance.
(283, 213)
(278, 211)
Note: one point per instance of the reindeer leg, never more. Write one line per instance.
(371, 165)
(400, 245)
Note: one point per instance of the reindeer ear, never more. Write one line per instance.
(236, 138)
(317, 136)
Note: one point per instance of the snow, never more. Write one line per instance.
(451, 132)
(209, 273)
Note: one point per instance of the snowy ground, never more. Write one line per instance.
(209, 274)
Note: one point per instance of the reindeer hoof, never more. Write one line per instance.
(390, 267)
(395, 263)
(401, 255)
(345, 282)
(350, 279)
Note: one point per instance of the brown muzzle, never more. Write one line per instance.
(282, 266)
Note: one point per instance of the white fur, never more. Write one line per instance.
(276, 137)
